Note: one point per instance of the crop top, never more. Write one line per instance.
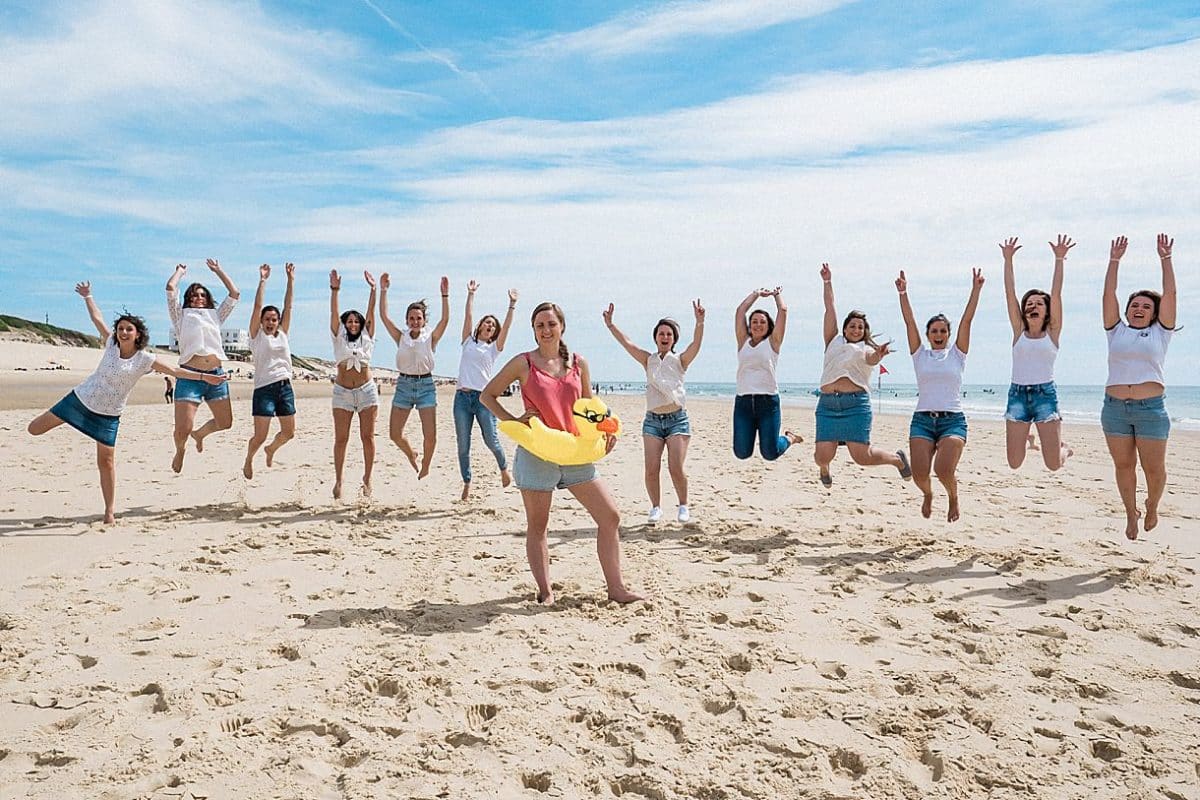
(847, 360)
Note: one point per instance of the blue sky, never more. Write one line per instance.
(585, 152)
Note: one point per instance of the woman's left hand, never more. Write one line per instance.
(213, 264)
(977, 279)
(215, 380)
(698, 310)
(1165, 243)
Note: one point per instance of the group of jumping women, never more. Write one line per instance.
(552, 378)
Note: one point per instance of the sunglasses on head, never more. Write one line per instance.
(592, 416)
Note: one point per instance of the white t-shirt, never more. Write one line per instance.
(198, 329)
(106, 390)
(847, 360)
(415, 356)
(939, 378)
(475, 366)
(664, 381)
(1137, 355)
(272, 357)
(756, 368)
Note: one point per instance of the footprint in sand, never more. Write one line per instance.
(478, 716)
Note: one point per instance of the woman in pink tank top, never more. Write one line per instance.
(552, 379)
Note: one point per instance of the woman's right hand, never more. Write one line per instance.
(826, 273)
(264, 272)
(471, 287)
(902, 283)
(335, 280)
(1116, 250)
(1061, 247)
(84, 289)
(385, 281)
(1009, 248)
(608, 315)
(370, 279)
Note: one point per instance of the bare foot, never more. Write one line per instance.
(545, 598)
(826, 478)
(109, 518)
(177, 461)
(1151, 519)
(1065, 452)
(248, 469)
(466, 492)
(409, 453)
(1033, 444)
(337, 491)
(424, 471)
(505, 478)
(199, 440)
(366, 489)
(952, 512)
(927, 506)
(1131, 526)
(270, 455)
(794, 438)
(623, 595)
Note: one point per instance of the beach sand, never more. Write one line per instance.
(253, 639)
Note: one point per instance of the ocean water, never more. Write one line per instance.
(1078, 404)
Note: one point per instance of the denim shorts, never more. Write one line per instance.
(190, 391)
(535, 475)
(1035, 403)
(355, 400)
(274, 400)
(937, 425)
(1143, 419)
(414, 392)
(101, 427)
(844, 417)
(660, 426)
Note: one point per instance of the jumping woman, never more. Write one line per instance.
(273, 395)
(197, 322)
(480, 349)
(1032, 397)
(844, 407)
(666, 425)
(354, 390)
(94, 407)
(414, 361)
(552, 379)
(1134, 417)
(756, 406)
(938, 432)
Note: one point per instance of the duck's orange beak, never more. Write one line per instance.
(607, 425)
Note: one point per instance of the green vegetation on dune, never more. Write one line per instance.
(50, 334)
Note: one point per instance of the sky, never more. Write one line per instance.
(639, 153)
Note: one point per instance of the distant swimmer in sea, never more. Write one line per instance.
(197, 323)
(844, 407)
(415, 346)
(1134, 417)
(666, 425)
(756, 412)
(94, 407)
(354, 390)
(273, 395)
(1036, 321)
(938, 432)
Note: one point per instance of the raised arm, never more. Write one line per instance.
(829, 326)
(689, 355)
(370, 279)
(963, 342)
(739, 318)
(230, 288)
(506, 326)
(335, 286)
(515, 369)
(1167, 306)
(385, 283)
(1016, 314)
(173, 309)
(910, 323)
(467, 315)
(84, 290)
(264, 272)
(440, 329)
(638, 354)
(1112, 309)
(1060, 249)
(780, 319)
(290, 269)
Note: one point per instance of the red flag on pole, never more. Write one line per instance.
(883, 370)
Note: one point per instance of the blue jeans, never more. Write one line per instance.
(467, 408)
(757, 415)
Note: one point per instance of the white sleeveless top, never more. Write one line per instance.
(846, 360)
(1033, 360)
(415, 356)
(1137, 355)
(939, 378)
(664, 381)
(356, 354)
(272, 358)
(106, 389)
(475, 365)
(756, 368)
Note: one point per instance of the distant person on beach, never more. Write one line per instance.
(354, 390)
(756, 411)
(94, 407)
(169, 392)
(273, 395)
(844, 406)
(666, 424)
(1134, 417)
(197, 323)
(552, 379)
(414, 363)
(481, 346)
(1036, 321)
(938, 432)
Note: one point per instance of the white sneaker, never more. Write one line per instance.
(684, 516)
(655, 515)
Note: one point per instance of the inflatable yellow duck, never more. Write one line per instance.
(592, 420)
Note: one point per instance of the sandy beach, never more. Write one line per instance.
(233, 638)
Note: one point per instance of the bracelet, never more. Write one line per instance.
(1164, 258)
(902, 294)
(445, 295)
(510, 308)
(335, 288)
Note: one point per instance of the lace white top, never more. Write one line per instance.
(106, 389)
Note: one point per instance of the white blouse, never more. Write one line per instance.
(106, 390)
(198, 329)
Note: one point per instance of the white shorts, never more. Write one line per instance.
(355, 400)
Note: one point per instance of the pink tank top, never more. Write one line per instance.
(552, 399)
